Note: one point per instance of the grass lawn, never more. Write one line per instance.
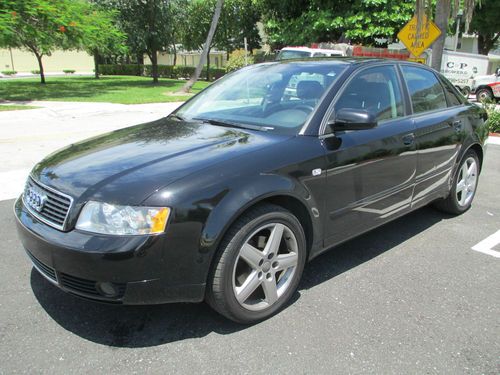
(16, 107)
(111, 89)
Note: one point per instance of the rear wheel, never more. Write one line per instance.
(259, 265)
(484, 94)
(464, 186)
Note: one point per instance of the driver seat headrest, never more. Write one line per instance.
(309, 90)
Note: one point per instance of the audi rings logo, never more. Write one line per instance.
(35, 198)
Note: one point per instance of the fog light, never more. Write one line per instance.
(107, 289)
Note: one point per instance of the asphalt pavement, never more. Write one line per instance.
(411, 297)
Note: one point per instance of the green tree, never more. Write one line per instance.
(444, 11)
(206, 48)
(101, 36)
(148, 26)
(238, 20)
(486, 24)
(40, 26)
(368, 22)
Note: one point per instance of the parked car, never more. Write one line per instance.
(226, 199)
(288, 53)
(487, 87)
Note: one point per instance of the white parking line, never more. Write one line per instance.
(486, 246)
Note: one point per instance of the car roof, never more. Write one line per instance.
(349, 60)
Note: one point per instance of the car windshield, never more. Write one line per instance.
(270, 97)
(292, 54)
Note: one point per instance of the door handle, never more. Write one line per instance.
(408, 139)
(457, 124)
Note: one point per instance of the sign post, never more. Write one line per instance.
(418, 42)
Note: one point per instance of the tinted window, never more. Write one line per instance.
(425, 90)
(451, 95)
(375, 90)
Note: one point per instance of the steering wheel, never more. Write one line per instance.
(305, 108)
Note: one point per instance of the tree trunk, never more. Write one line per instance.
(40, 66)
(486, 42)
(215, 19)
(208, 64)
(96, 64)
(154, 66)
(175, 54)
(441, 20)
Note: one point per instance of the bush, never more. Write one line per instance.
(68, 71)
(237, 60)
(164, 71)
(121, 69)
(183, 72)
(493, 116)
(261, 56)
(494, 121)
(9, 72)
(35, 72)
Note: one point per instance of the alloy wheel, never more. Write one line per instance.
(466, 182)
(265, 266)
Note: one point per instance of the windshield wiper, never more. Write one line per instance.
(230, 124)
(177, 117)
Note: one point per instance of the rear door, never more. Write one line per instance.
(370, 173)
(439, 123)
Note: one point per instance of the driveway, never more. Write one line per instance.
(29, 135)
(411, 297)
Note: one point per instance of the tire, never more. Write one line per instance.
(484, 94)
(465, 91)
(463, 189)
(248, 264)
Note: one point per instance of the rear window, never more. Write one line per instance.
(451, 94)
(426, 92)
(290, 54)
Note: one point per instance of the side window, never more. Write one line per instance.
(376, 90)
(425, 90)
(451, 95)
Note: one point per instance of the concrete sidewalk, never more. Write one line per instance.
(27, 136)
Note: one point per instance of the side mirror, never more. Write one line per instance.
(353, 119)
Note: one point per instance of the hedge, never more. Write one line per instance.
(164, 71)
(121, 69)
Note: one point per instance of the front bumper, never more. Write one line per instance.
(142, 269)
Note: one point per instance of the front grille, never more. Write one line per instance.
(87, 287)
(52, 206)
(47, 271)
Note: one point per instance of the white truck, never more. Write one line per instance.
(461, 68)
(487, 87)
(305, 52)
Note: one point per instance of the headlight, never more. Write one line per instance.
(107, 218)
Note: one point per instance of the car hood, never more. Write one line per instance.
(128, 165)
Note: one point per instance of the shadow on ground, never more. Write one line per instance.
(144, 326)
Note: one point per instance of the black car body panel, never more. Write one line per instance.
(338, 184)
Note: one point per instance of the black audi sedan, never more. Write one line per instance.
(226, 199)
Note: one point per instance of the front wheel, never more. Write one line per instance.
(464, 186)
(259, 265)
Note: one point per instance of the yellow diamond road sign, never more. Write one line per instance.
(429, 32)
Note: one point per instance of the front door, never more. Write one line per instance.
(371, 173)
